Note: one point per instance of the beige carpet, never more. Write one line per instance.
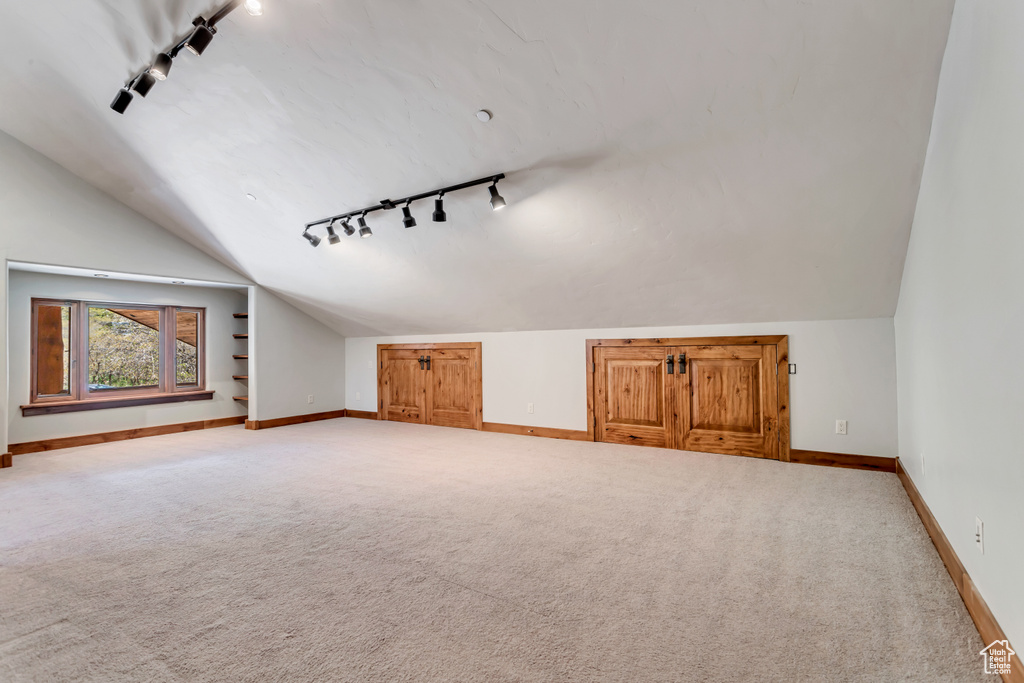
(353, 550)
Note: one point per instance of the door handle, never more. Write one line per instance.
(669, 363)
(428, 362)
(682, 364)
(421, 362)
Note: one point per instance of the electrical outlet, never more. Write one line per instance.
(529, 408)
(979, 534)
(309, 399)
(369, 365)
(792, 368)
(841, 427)
(359, 397)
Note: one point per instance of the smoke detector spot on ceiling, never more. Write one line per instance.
(484, 115)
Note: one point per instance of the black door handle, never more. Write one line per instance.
(668, 363)
(421, 362)
(428, 362)
(682, 364)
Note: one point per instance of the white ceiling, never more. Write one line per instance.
(670, 162)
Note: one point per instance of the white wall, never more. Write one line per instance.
(960, 321)
(220, 325)
(49, 216)
(846, 370)
(294, 356)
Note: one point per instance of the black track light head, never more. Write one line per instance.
(121, 102)
(439, 215)
(407, 217)
(347, 227)
(161, 66)
(497, 201)
(143, 84)
(364, 229)
(332, 236)
(312, 239)
(200, 39)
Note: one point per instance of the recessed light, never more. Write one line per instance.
(177, 282)
(484, 115)
(251, 197)
(101, 275)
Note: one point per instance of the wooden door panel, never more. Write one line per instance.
(730, 400)
(728, 395)
(403, 387)
(634, 396)
(451, 392)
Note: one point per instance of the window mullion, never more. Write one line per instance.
(80, 347)
(167, 335)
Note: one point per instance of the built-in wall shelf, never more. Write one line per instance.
(241, 336)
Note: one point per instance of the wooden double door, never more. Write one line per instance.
(717, 395)
(435, 384)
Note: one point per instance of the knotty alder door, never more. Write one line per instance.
(706, 395)
(436, 384)
(404, 382)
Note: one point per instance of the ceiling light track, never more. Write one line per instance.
(196, 41)
(439, 215)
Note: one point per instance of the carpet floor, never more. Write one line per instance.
(353, 550)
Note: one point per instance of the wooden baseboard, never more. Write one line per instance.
(294, 420)
(855, 462)
(979, 610)
(361, 414)
(546, 432)
(123, 435)
(6, 460)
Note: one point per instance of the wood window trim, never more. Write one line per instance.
(80, 397)
(55, 407)
(781, 342)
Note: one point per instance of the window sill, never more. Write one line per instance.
(55, 407)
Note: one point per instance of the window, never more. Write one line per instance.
(88, 355)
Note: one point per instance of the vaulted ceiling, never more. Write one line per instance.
(670, 161)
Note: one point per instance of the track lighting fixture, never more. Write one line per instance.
(408, 220)
(200, 39)
(161, 66)
(197, 40)
(121, 102)
(313, 239)
(439, 215)
(332, 236)
(144, 83)
(364, 229)
(497, 201)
